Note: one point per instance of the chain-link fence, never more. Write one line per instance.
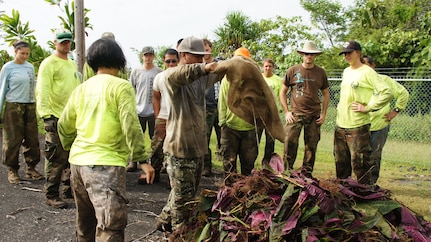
(409, 139)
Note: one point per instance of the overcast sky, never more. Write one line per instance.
(137, 23)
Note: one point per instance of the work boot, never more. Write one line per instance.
(12, 176)
(56, 202)
(32, 173)
(132, 166)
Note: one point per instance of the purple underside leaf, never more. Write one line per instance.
(413, 227)
(276, 163)
(223, 199)
(291, 222)
(260, 217)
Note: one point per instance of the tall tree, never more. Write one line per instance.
(325, 15)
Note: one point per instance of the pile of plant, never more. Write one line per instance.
(274, 206)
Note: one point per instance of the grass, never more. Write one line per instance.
(406, 173)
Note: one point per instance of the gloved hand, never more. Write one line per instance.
(50, 125)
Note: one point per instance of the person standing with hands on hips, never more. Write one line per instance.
(361, 91)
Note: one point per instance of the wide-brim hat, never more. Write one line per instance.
(193, 45)
(310, 48)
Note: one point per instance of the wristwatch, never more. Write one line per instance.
(397, 110)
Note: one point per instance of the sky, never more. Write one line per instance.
(139, 23)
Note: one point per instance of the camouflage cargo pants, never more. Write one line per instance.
(157, 157)
(311, 139)
(20, 129)
(100, 198)
(57, 168)
(238, 143)
(352, 150)
(184, 176)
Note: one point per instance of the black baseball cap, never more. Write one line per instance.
(350, 46)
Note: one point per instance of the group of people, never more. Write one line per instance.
(95, 126)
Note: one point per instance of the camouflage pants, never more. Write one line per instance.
(377, 142)
(238, 143)
(269, 145)
(211, 121)
(151, 122)
(352, 150)
(184, 177)
(57, 168)
(157, 157)
(20, 129)
(100, 198)
(311, 139)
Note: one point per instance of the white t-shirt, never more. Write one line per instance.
(160, 86)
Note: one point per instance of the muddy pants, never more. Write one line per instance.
(57, 169)
(20, 128)
(184, 177)
(269, 145)
(157, 157)
(211, 121)
(311, 139)
(151, 122)
(352, 150)
(238, 143)
(100, 198)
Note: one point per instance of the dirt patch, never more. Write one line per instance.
(25, 216)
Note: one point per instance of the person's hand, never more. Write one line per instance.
(321, 119)
(358, 107)
(149, 172)
(391, 115)
(210, 67)
(289, 117)
(50, 125)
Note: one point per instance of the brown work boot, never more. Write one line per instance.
(132, 166)
(32, 173)
(56, 202)
(12, 176)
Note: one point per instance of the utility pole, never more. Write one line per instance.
(79, 34)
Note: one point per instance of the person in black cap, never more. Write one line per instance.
(362, 91)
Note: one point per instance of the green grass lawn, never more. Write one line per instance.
(405, 171)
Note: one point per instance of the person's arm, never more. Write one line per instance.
(3, 87)
(325, 103)
(66, 123)
(43, 90)
(157, 99)
(222, 105)
(288, 115)
(402, 98)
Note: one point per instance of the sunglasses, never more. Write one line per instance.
(171, 61)
(309, 54)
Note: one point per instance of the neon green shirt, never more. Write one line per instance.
(275, 82)
(400, 93)
(56, 80)
(100, 125)
(226, 116)
(359, 85)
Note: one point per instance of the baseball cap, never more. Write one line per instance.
(147, 50)
(63, 36)
(350, 46)
(193, 45)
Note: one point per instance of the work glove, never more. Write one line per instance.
(50, 124)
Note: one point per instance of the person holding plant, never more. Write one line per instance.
(17, 84)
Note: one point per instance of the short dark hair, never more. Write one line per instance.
(370, 59)
(207, 42)
(18, 44)
(171, 52)
(105, 53)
